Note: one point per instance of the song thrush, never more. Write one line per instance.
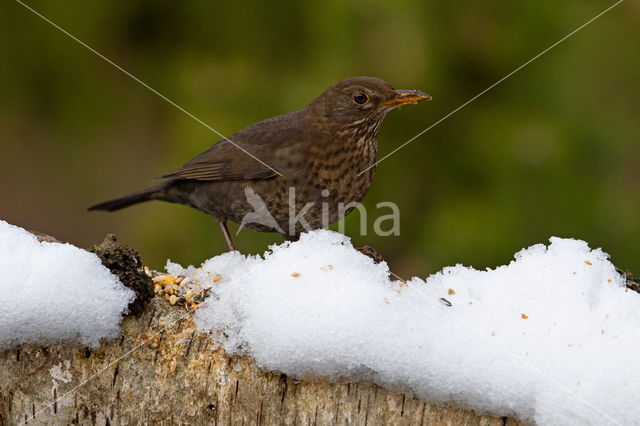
(290, 173)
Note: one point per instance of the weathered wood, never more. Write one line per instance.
(163, 371)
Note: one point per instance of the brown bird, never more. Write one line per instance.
(290, 173)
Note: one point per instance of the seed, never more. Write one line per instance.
(295, 274)
(167, 297)
(147, 271)
(157, 289)
(523, 316)
(179, 279)
(173, 299)
(181, 300)
(216, 278)
(186, 281)
(451, 292)
(174, 287)
(189, 295)
(445, 302)
(159, 278)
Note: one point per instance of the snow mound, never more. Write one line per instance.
(55, 292)
(552, 337)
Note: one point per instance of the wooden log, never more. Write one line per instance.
(163, 371)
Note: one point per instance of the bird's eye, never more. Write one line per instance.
(360, 98)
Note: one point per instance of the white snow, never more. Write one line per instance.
(553, 337)
(55, 292)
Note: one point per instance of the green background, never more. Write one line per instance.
(553, 150)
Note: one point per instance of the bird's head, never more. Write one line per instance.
(362, 101)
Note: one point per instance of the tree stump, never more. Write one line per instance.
(163, 371)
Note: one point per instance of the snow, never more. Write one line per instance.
(54, 292)
(552, 337)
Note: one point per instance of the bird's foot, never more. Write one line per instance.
(370, 252)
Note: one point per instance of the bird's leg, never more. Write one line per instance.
(222, 222)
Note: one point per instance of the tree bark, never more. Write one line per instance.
(163, 371)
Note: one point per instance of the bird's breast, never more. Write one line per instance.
(346, 168)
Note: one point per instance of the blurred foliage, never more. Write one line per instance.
(553, 150)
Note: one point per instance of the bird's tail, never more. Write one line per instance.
(141, 196)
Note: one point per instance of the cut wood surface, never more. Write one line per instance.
(163, 371)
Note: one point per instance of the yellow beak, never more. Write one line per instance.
(406, 97)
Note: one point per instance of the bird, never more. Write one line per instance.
(291, 173)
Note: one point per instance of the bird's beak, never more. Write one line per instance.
(406, 97)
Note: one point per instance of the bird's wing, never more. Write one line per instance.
(259, 152)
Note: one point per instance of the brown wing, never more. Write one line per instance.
(224, 161)
(270, 143)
